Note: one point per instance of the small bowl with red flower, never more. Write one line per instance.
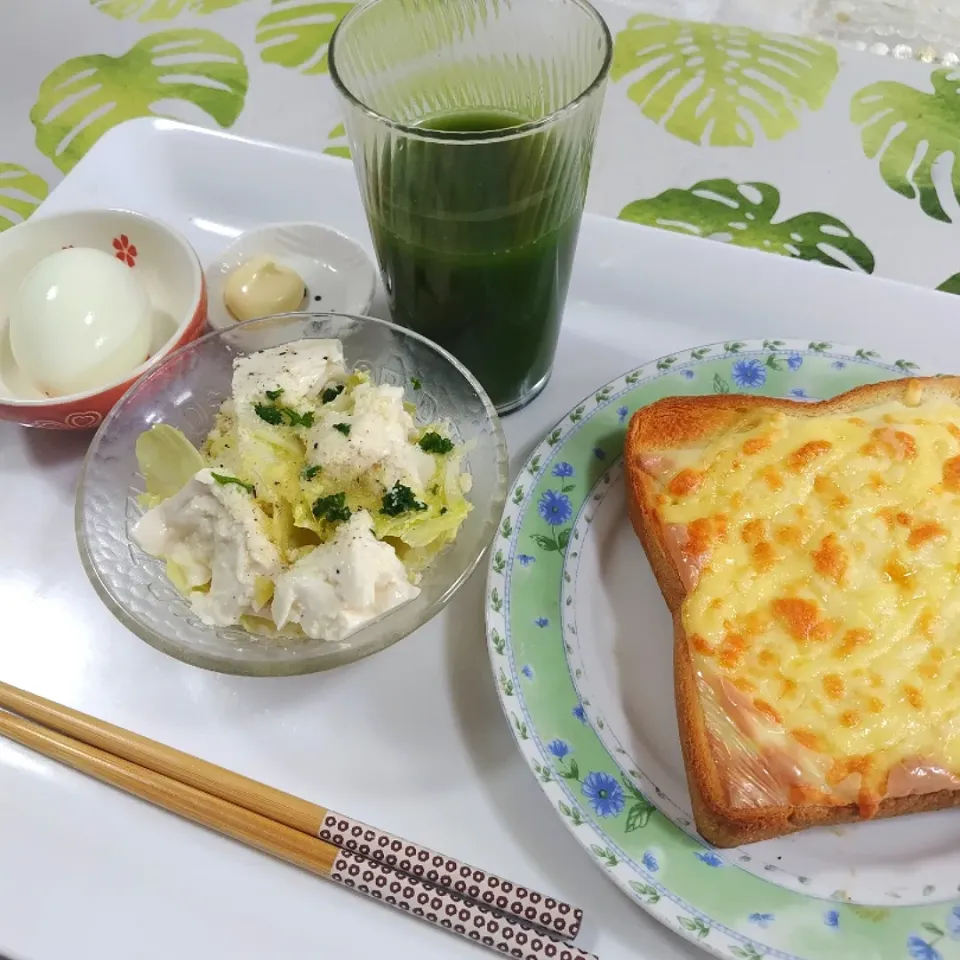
(89, 301)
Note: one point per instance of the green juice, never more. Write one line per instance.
(475, 238)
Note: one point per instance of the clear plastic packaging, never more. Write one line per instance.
(764, 765)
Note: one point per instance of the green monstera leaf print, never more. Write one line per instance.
(295, 33)
(911, 131)
(337, 145)
(950, 285)
(21, 192)
(148, 10)
(721, 86)
(85, 97)
(742, 214)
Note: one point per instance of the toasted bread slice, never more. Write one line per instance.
(685, 432)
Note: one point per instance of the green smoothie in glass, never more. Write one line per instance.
(474, 171)
(470, 267)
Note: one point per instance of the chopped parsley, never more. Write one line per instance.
(399, 499)
(275, 394)
(269, 414)
(433, 443)
(343, 428)
(222, 480)
(298, 419)
(333, 508)
(310, 472)
(417, 383)
(331, 393)
(278, 415)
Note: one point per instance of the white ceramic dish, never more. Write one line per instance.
(338, 275)
(421, 717)
(602, 641)
(167, 266)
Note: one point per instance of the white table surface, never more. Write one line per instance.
(86, 872)
(412, 740)
(419, 720)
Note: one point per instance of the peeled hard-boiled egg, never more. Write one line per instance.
(80, 320)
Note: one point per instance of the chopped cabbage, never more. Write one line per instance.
(273, 458)
(167, 460)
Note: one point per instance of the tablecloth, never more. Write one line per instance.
(724, 129)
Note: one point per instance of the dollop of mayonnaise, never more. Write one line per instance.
(261, 287)
(343, 584)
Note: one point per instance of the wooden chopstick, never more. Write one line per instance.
(441, 907)
(555, 918)
(203, 808)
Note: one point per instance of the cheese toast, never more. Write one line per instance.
(810, 557)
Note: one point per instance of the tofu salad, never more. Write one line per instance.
(314, 505)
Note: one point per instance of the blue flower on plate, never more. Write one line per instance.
(794, 361)
(799, 392)
(709, 858)
(919, 949)
(554, 507)
(622, 414)
(953, 923)
(839, 365)
(749, 373)
(689, 374)
(525, 559)
(542, 622)
(563, 469)
(650, 862)
(600, 453)
(558, 748)
(603, 793)
(761, 919)
(832, 918)
(527, 671)
(580, 713)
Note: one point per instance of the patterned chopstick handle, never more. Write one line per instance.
(553, 916)
(446, 909)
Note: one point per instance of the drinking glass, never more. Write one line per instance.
(471, 125)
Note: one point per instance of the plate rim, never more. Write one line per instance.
(500, 646)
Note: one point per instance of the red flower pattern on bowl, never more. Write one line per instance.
(175, 284)
(126, 251)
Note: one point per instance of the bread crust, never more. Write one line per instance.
(676, 422)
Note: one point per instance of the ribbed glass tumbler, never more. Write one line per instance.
(472, 124)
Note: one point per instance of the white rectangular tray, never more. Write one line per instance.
(413, 739)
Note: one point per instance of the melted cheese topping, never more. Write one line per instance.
(822, 558)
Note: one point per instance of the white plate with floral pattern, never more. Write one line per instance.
(581, 645)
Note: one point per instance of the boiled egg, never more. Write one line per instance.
(81, 319)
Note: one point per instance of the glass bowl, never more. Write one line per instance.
(186, 391)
